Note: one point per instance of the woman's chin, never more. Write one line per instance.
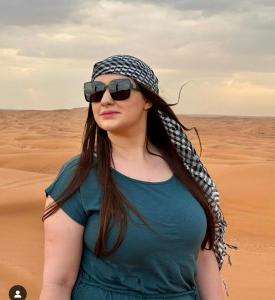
(111, 127)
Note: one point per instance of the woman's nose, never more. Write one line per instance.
(107, 98)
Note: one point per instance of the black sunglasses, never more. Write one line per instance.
(119, 89)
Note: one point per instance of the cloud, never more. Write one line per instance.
(219, 42)
(207, 8)
(37, 12)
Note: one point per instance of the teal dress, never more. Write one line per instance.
(147, 265)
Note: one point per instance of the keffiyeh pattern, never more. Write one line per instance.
(198, 171)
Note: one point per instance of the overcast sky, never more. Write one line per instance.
(225, 50)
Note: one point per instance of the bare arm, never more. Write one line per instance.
(62, 253)
(55, 291)
(208, 278)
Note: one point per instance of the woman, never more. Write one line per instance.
(138, 207)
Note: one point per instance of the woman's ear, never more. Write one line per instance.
(148, 104)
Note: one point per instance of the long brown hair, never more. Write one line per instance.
(114, 204)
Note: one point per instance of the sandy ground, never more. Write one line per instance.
(237, 151)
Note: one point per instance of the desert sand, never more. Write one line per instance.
(239, 153)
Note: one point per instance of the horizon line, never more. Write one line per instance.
(202, 115)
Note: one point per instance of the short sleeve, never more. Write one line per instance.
(73, 206)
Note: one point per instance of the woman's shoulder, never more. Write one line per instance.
(69, 167)
(70, 163)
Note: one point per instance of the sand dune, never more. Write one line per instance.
(237, 151)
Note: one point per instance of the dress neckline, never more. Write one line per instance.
(139, 180)
(143, 181)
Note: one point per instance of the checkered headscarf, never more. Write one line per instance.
(136, 69)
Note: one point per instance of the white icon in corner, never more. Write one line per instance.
(17, 296)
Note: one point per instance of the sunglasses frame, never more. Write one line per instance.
(111, 86)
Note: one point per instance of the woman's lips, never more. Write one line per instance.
(105, 115)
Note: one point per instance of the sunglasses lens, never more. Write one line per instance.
(121, 95)
(93, 91)
(96, 97)
(87, 91)
(120, 89)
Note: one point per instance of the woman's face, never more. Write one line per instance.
(130, 112)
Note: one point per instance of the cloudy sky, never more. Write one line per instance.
(223, 50)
